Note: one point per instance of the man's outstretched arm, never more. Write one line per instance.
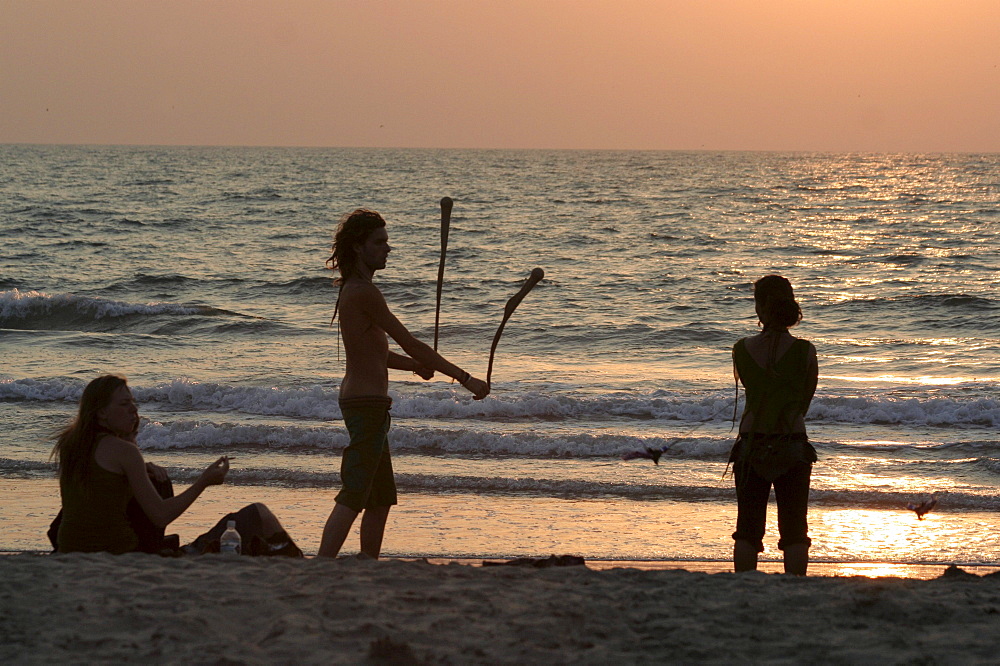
(375, 307)
(400, 362)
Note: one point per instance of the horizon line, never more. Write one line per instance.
(496, 149)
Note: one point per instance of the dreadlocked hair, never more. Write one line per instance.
(354, 229)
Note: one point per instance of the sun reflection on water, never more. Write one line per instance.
(874, 570)
(886, 536)
(924, 380)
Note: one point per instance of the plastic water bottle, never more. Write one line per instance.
(230, 542)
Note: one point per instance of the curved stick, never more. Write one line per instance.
(515, 300)
(446, 204)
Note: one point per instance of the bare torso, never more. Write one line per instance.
(366, 346)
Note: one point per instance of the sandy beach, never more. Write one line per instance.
(217, 610)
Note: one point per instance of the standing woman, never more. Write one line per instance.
(779, 373)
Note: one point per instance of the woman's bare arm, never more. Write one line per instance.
(812, 378)
(127, 459)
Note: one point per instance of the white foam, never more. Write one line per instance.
(909, 411)
(315, 402)
(22, 305)
(51, 390)
(513, 440)
(192, 434)
(320, 402)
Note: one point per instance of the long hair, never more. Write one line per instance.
(75, 444)
(354, 228)
(777, 309)
(776, 302)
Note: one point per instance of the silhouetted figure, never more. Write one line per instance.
(112, 500)
(360, 247)
(779, 373)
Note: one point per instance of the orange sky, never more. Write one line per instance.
(839, 75)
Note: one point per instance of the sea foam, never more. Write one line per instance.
(320, 402)
(39, 308)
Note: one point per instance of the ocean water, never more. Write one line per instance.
(198, 273)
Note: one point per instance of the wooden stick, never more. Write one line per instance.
(536, 275)
(446, 204)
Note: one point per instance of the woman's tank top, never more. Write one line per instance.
(94, 518)
(776, 396)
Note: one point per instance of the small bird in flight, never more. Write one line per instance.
(922, 508)
(648, 453)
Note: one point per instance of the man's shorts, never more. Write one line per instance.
(366, 469)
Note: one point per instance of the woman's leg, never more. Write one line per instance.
(791, 491)
(744, 556)
(752, 493)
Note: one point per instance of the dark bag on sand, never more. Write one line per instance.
(152, 539)
(250, 526)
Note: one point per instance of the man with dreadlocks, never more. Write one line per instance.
(360, 247)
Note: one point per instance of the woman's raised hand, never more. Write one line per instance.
(215, 473)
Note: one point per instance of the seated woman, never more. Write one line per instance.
(101, 470)
(779, 373)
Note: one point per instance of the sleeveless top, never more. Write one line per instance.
(776, 396)
(94, 517)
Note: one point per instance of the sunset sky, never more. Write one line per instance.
(837, 75)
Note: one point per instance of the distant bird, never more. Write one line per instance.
(922, 508)
(648, 453)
